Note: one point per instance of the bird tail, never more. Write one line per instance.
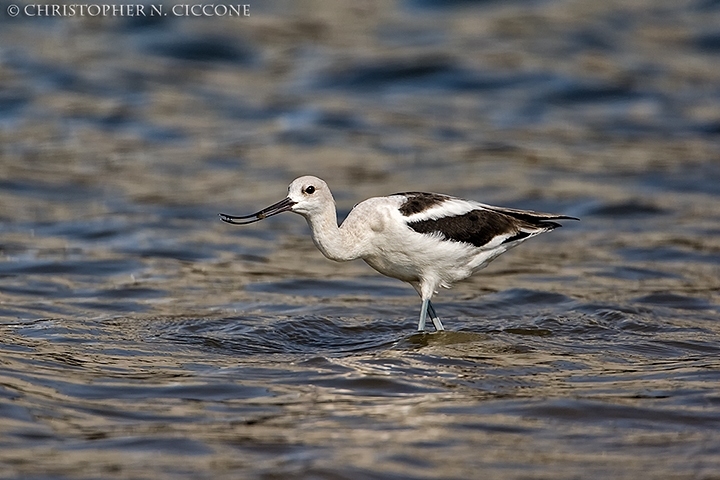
(532, 223)
(536, 219)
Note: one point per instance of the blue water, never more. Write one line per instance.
(140, 337)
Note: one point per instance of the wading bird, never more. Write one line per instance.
(428, 240)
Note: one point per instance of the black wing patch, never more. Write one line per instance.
(420, 201)
(479, 227)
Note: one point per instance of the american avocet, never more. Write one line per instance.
(428, 240)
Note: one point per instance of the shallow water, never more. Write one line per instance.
(140, 337)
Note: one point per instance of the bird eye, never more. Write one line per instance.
(310, 190)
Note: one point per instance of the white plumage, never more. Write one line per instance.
(428, 240)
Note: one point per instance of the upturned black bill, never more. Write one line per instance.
(279, 207)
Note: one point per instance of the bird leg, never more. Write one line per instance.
(423, 314)
(428, 307)
(434, 317)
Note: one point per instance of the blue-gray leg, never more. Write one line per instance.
(427, 307)
(423, 315)
(435, 319)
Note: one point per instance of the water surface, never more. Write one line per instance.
(140, 337)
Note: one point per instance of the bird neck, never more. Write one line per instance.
(336, 243)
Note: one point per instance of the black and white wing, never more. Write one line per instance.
(473, 223)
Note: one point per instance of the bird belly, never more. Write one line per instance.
(395, 266)
(420, 258)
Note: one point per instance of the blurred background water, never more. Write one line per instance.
(140, 337)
